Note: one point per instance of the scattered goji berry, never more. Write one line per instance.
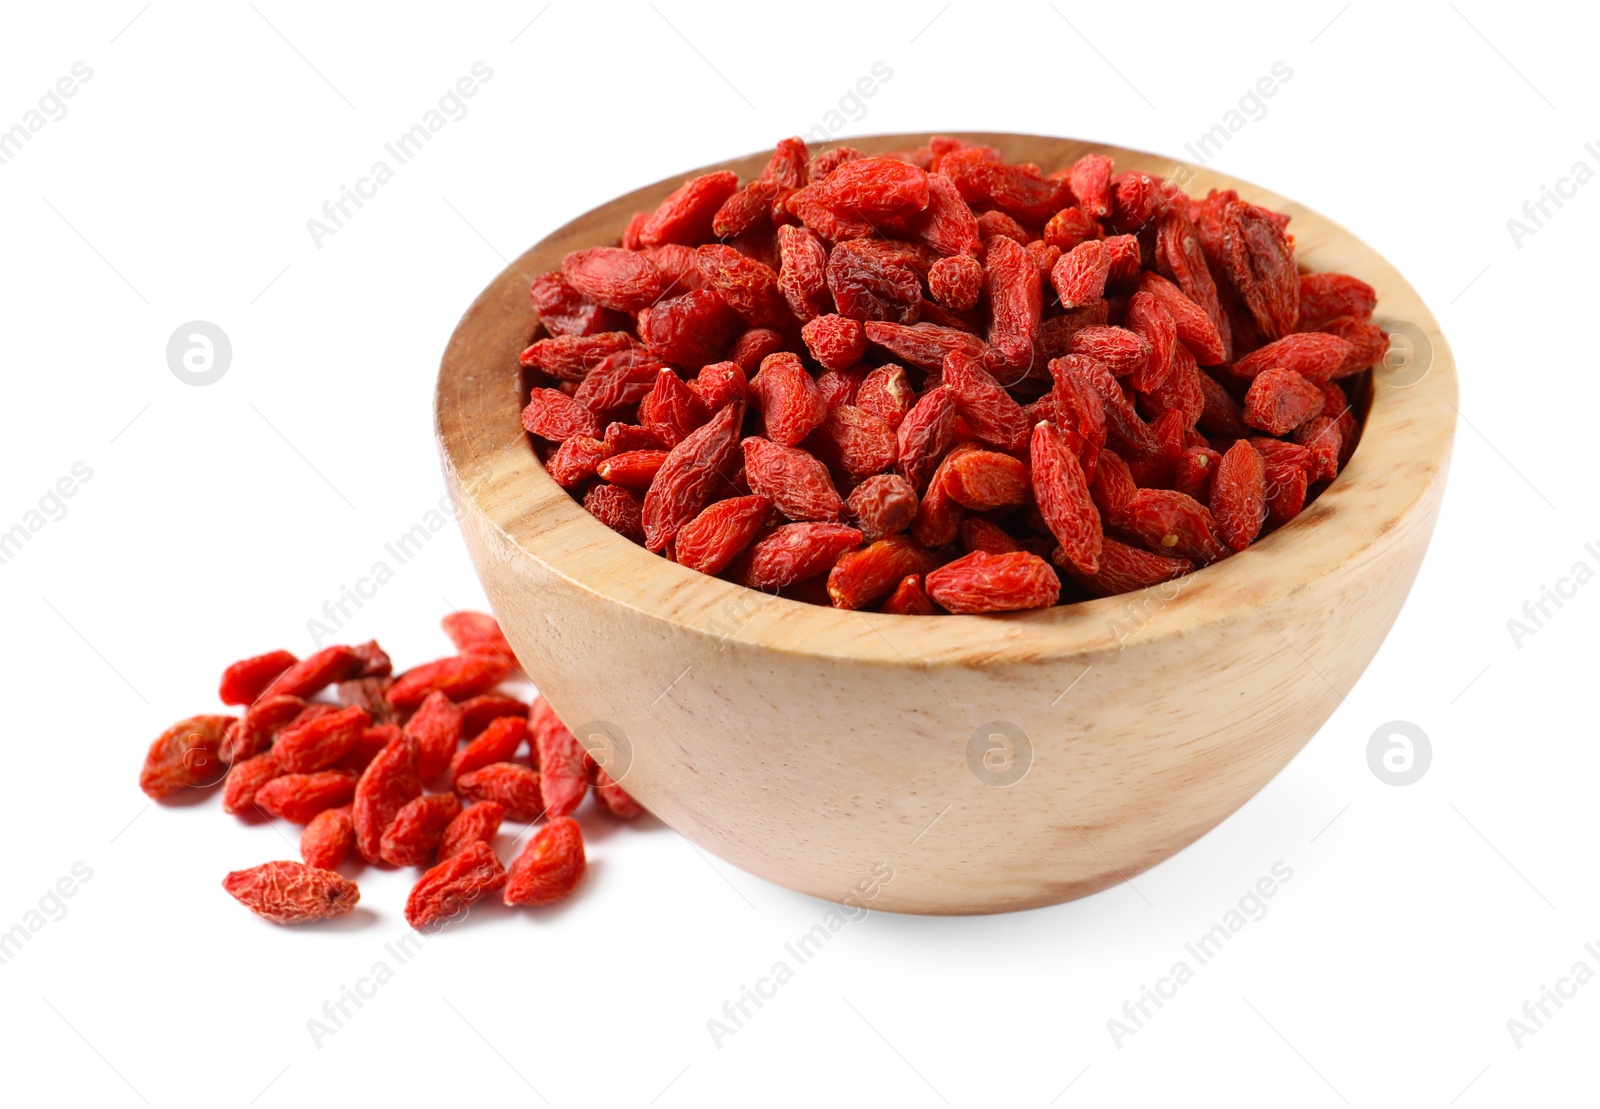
(299, 797)
(385, 786)
(446, 893)
(245, 680)
(475, 824)
(549, 867)
(292, 893)
(412, 838)
(511, 785)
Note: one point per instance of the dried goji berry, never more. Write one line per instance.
(989, 410)
(315, 673)
(1179, 256)
(511, 785)
(618, 509)
(299, 797)
(613, 798)
(499, 741)
(1325, 297)
(978, 534)
(855, 441)
(475, 824)
(1169, 522)
(245, 680)
(861, 577)
(984, 480)
(1281, 400)
(835, 341)
(685, 215)
(320, 742)
(1314, 355)
(571, 357)
(1062, 494)
(613, 277)
(795, 552)
(1124, 568)
(551, 414)
(385, 786)
(446, 893)
(981, 582)
(292, 893)
(563, 311)
(549, 867)
(1080, 276)
(1016, 303)
(328, 839)
(686, 479)
(1239, 495)
(691, 329)
(720, 533)
(1260, 264)
(923, 344)
(886, 393)
(881, 506)
(563, 763)
(790, 403)
(923, 437)
(909, 598)
(185, 756)
(867, 284)
(457, 677)
(247, 777)
(412, 838)
(956, 282)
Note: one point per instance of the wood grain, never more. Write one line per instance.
(817, 748)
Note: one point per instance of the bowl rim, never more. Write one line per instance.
(494, 474)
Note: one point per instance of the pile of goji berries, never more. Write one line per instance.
(930, 380)
(356, 773)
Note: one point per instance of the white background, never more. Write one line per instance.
(219, 519)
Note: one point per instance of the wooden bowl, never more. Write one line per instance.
(946, 764)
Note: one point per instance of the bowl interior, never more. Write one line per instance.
(490, 462)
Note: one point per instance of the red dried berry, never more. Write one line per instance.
(475, 824)
(909, 598)
(1259, 262)
(862, 577)
(982, 582)
(385, 786)
(320, 742)
(446, 893)
(923, 437)
(292, 893)
(691, 329)
(549, 867)
(1239, 495)
(572, 357)
(1016, 303)
(328, 839)
(618, 509)
(245, 779)
(315, 673)
(613, 798)
(685, 215)
(686, 479)
(956, 282)
(499, 741)
(837, 342)
(1314, 355)
(1124, 568)
(551, 414)
(563, 763)
(457, 677)
(613, 277)
(510, 785)
(1062, 494)
(1325, 297)
(412, 838)
(1280, 401)
(881, 506)
(795, 552)
(990, 412)
(185, 756)
(299, 797)
(245, 680)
